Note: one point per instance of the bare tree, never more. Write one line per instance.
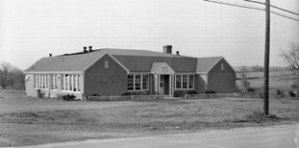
(292, 56)
(4, 70)
(11, 76)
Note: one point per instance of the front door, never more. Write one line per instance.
(164, 85)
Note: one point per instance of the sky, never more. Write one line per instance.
(31, 29)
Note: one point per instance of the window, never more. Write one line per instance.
(178, 81)
(74, 82)
(78, 81)
(46, 84)
(62, 82)
(55, 81)
(43, 81)
(137, 82)
(106, 64)
(222, 66)
(184, 81)
(34, 81)
(191, 81)
(66, 82)
(70, 83)
(144, 82)
(52, 82)
(39, 81)
(130, 82)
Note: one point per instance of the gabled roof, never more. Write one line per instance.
(161, 68)
(205, 64)
(78, 62)
(132, 60)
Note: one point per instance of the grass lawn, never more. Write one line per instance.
(28, 121)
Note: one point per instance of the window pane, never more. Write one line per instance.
(78, 80)
(145, 82)
(70, 82)
(137, 82)
(184, 81)
(51, 82)
(178, 81)
(62, 82)
(34, 80)
(191, 81)
(55, 83)
(130, 82)
(74, 83)
(66, 85)
(39, 81)
(44, 79)
(47, 81)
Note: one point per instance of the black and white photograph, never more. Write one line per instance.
(149, 73)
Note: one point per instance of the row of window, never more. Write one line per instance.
(138, 82)
(141, 82)
(40, 81)
(69, 82)
(184, 81)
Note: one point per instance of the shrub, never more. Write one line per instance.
(279, 94)
(292, 94)
(192, 92)
(210, 92)
(135, 93)
(179, 93)
(95, 94)
(260, 117)
(40, 94)
(69, 97)
(250, 89)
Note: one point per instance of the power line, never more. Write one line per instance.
(236, 5)
(273, 6)
(252, 8)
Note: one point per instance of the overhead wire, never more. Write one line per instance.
(253, 8)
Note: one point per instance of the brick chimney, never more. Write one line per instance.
(167, 49)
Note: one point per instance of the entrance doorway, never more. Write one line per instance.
(164, 85)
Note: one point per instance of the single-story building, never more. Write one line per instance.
(109, 72)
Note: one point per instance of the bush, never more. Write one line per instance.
(279, 94)
(135, 93)
(192, 92)
(260, 117)
(179, 93)
(292, 94)
(250, 89)
(40, 94)
(69, 97)
(210, 92)
(95, 94)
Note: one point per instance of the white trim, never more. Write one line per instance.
(52, 72)
(139, 73)
(214, 65)
(141, 82)
(188, 77)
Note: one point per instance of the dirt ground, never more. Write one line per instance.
(30, 121)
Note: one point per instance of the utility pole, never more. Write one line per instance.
(267, 59)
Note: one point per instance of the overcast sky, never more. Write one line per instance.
(31, 29)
